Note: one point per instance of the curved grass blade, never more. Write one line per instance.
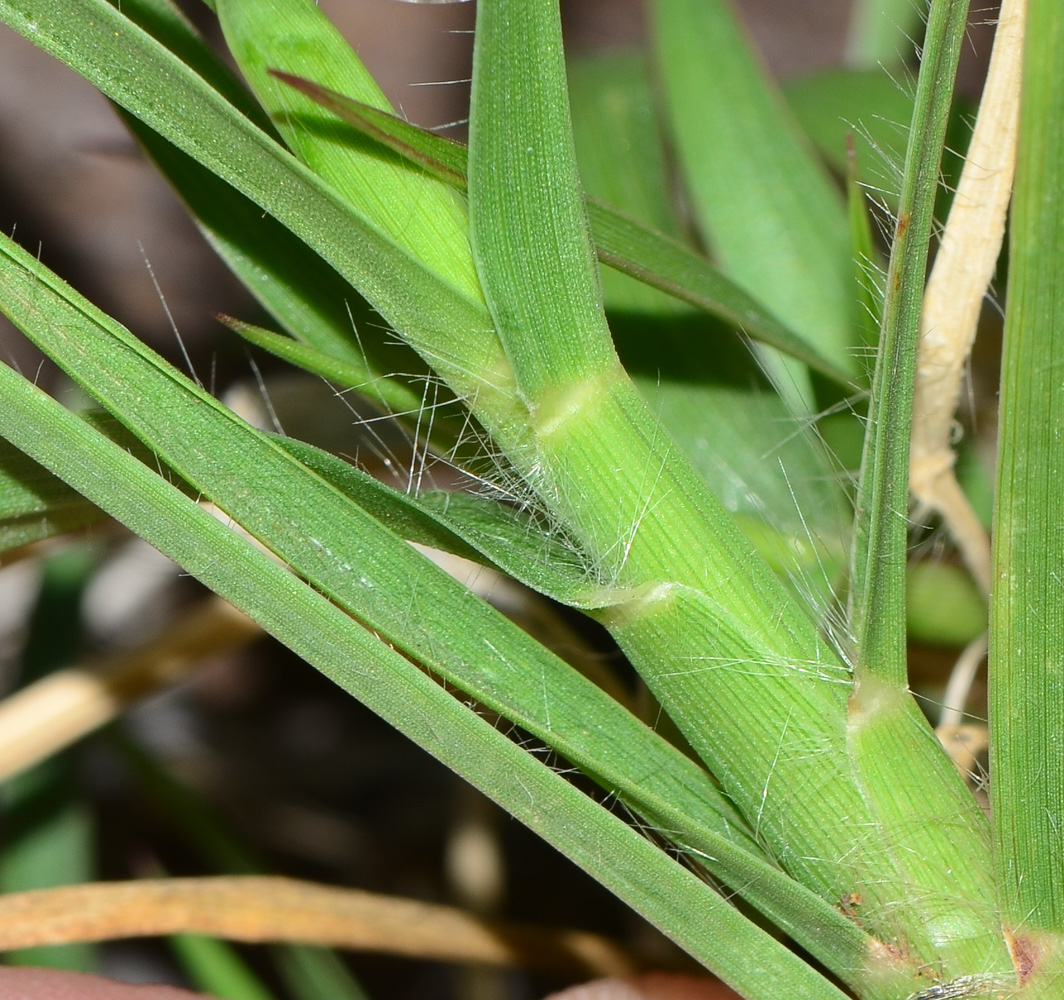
(465, 525)
(310, 300)
(307, 297)
(165, 22)
(313, 527)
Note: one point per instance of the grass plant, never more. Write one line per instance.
(638, 442)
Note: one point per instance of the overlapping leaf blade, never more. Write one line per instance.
(184, 427)
(632, 247)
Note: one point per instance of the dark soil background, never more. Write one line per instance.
(312, 782)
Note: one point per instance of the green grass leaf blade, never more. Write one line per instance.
(443, 158)
(319, 535)
(307, 297)
(745, 956)
(536, 262)
(667, 265)
(34, 504)
(469, 526)
(48, 841)
(311, 301)
(620, 151)
(164, 21)
(767, 208)
(347, 373)
(215, 966)
(866, 258)
(131, 68)
(419, 212)
(321, 311)
(1026, 687)
(322, 535)
(317, 974)
(878, 576)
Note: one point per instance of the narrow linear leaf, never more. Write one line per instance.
(748, 958)
(312, 302)
(1027, 611)
(668, 265)
(528, 222)
(421, 214)
(877, 617)
(866, 258)
(214, 965)
(317, 974)
(446, 159)
(347, 373)
(765, 205)
(321, 535)
(129, 66)
(307, 297)
(34, 504)
(164, 21)
(465, 525)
